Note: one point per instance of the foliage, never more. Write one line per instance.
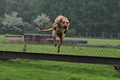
(2, 7)
(71, 33)
(40, 20)
(12, 22)
(1, 19)
(26, 26)
(87, 15)
(25, 8)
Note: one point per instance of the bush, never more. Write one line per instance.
(1, 19)
(71, 33)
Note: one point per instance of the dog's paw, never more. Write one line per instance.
(55, 45)
(58, 51)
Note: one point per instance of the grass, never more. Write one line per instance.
(65, 49)
(24, 69)
(21, 69)
(99, 41)
(12, 35)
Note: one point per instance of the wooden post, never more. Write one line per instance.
(79, 35)
(102, 34)
(24, 49)
(94, 35)
(118, 35)
(86, 34)
(111, 35)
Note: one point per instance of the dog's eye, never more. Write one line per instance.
(66, 22)
(63, 22)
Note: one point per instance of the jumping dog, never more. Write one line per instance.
(60, 28)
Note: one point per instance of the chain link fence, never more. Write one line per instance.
(99, 35)
(84, 50)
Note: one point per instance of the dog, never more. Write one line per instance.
(60, 28)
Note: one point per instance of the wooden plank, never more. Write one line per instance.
(61, 57)
(98, 45)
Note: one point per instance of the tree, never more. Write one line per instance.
(11, 5)
(12, 22)
(2, 7)
(71, 33)
(1, 19)
(40, 20)
(25, 8)
(27, 27)
(87, 15)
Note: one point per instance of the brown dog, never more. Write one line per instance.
(60, 28)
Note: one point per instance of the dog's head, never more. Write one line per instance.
(65, 22)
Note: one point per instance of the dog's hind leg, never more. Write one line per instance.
(61, 36)
(54, 37)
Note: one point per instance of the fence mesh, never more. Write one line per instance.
(99, 35)
(102, 51)
(85, 50)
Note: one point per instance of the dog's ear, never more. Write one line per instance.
(69, 19)
(60, 20)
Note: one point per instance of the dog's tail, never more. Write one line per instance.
(48, 29)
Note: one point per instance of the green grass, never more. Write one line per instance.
(2, 36)
(99, 41)
(65, 49)
(25, 69)
(21, 69)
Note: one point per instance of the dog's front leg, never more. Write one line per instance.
(66, 29)
(61, 36)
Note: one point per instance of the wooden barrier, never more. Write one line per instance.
(36, 38)
(47, 39)
(60, 57)
(13, 39)
(98, 45)
(67, 41)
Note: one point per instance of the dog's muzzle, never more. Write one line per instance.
(64, 27)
